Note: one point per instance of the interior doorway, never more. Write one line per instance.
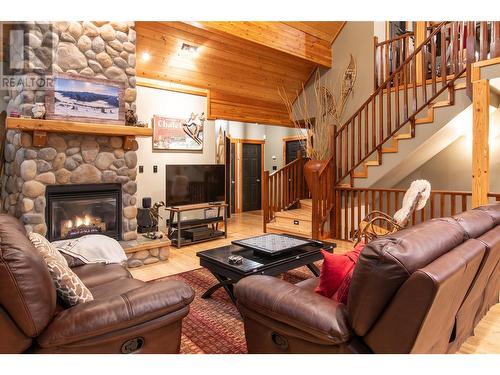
(291, 146)
(252, 167)
(232, 177)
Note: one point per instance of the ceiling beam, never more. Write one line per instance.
(278, 36)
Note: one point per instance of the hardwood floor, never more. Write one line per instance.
(486, 340)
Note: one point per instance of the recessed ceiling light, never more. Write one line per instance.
(146, 56)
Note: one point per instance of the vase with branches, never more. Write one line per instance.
(319, 116)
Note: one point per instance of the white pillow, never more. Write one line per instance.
(93, 248)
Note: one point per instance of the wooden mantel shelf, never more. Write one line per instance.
(71, 127)
(40, 128)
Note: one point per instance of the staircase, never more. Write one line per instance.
(404, 108)
(296, 221)
(395, 152)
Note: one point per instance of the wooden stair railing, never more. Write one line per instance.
(283, 188)
(322, 195)
(398, 101)
(353, 204)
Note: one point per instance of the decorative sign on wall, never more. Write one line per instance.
(178, 134)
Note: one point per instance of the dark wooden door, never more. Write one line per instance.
(292, 147)
(228, 162)
(252, 174)
(233, 178)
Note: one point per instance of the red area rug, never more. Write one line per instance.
(214, 325)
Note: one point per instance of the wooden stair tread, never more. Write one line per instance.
(306, 203)
(440, 104)
(300, 214)
(275, 227)
(403, 136)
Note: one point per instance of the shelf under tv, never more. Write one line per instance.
(176, 226)
(40, 128)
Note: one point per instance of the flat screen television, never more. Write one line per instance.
(194, 183)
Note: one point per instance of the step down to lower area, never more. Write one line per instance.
(297, 221)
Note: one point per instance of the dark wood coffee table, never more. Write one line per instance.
(216, 261)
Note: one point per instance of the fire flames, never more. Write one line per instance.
(78, 226)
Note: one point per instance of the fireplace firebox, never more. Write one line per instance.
(76, 210)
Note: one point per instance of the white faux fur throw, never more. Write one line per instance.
(93, 248)
(419, 189)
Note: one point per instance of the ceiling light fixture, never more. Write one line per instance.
(146, 56)
(189, 49)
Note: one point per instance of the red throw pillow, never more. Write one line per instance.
(336, 274)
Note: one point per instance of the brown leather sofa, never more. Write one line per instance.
(420, 290)
(126, 315)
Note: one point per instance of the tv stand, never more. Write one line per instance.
(182, 232)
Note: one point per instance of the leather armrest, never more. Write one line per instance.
(295, 306)
(103, 316)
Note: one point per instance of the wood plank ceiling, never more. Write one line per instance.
(242, 64)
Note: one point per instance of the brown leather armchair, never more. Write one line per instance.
(420, 290)
(126, 315)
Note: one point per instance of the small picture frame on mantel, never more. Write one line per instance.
(85, 99)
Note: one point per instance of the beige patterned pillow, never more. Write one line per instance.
(69, 287)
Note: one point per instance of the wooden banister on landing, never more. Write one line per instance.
(353, 204)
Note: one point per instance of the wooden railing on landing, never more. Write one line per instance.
(353, 204)
(411, 87)
(322, 196)
(390, 54)
(283, 188)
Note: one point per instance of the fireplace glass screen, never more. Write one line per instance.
(77, 210)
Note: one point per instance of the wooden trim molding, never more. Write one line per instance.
(477, 66)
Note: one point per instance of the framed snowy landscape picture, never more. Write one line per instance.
(76, 98)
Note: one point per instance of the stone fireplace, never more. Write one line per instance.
(76, 210)
(103, 50)
(67, 160)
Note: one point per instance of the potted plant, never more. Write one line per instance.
(327, 109)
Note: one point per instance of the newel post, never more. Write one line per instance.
(315, 205)
(265, 200)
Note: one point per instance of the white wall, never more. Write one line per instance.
(171, 104)
(356, 38)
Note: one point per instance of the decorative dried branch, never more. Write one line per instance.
(328, 111)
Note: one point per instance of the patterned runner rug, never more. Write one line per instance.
(214, 325)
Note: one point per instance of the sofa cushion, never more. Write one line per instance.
(386, 263)
(493, 210)
(475, 222)
(27, 292)
(97, 274)
(70, 289)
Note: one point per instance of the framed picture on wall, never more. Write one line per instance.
(178, 134)
(77, 98)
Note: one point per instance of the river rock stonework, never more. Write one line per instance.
(103, 50)
(67, 159)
